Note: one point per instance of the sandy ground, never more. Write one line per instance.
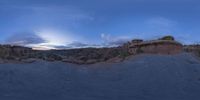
(147, 77)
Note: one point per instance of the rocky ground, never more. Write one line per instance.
(143, 77)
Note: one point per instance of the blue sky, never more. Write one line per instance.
(76, 23)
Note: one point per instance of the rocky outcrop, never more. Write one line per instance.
(165, 45)
(14, 52)
(195, 49)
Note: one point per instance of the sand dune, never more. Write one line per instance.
(144, 77)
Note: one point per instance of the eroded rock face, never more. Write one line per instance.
(166, 48)
(156, 47)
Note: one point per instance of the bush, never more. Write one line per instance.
(137, 41)
(168, 38)
(139, 50)
(124, 54)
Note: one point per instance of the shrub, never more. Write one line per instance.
(124, 54)
(168, 38)
(139, 50)
(137, 41)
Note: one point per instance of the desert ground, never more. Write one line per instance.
(142, 77)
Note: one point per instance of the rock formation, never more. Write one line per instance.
(165, 45)
(195, 49)
(14, 52)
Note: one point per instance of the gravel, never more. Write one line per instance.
(144, 77)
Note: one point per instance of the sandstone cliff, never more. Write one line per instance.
(164, 45)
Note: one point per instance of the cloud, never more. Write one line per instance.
(83, 45)
(46, 40)
(73, 45)
(42, 42)
(24, 39)
(55, 36)
(77, 45)
(109, 40)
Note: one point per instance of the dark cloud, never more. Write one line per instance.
(84, 45)
(72, 45)
(77, 45)
(24, 39)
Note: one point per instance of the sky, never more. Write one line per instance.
(50, 24)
